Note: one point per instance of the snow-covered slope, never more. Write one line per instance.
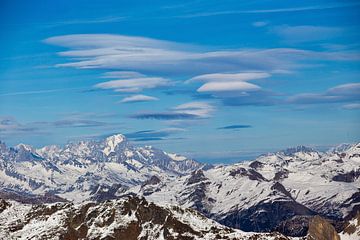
(129, 219)
(272, 192)
(277, 191)
(87, 168)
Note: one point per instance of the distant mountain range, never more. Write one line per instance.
(82, 170)
(280, 191)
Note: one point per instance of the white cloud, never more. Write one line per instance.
(228, 87)
(151, 56)
(226, 77)
(200, 109)
(134, 84)
(229, 82)
(138, 98)
(346, 89)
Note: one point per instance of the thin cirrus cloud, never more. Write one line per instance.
(9, 126)
(351, 106)
(225, 77)
(134, 84)
(305, 33)
(271, 10)
(260, 23)
(342, 93)
(123, 74)
(163, 115)
(138, 98)
(186, 111)
(127, 53)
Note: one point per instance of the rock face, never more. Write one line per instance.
(130, 219)
(352, 228)
(320, 229)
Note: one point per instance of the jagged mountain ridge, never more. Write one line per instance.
(278, 191)
(81, 170)
(132, 219)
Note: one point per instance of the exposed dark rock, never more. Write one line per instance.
(195, 177)
(281, 175)
(152, 181)
(199, 199)
(103, 193)
(251, 173)
(280, 188)
(352, 228)
(347, 177)
(3, 205)
(30, 198)
(264, 216)
(256, 164)
(296, 226)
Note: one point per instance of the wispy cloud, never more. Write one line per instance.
(229, 77)
(123, 74)
(273, 10)
(351, 106)
(77, 123)
(138, 98)
(305, 33)
(35, 92)
(134, 84)
(260, 23)
(237, 126)
(200, 109)
(126, 53)
(342, 93)
(153, 135)
(186, 111)
(9, 125)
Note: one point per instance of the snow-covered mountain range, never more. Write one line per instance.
(134, 218)
(279, 191)
(86, 169)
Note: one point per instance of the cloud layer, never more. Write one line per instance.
(186, 111)
(342, 93)
(138, 98)
(152, 56)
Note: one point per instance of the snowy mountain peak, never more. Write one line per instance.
(24, 147)
(340, 148)
(298, 149)
(112, 142)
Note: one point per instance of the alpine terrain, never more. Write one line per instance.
(111, 189)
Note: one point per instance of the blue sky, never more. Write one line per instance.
(218, 82)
